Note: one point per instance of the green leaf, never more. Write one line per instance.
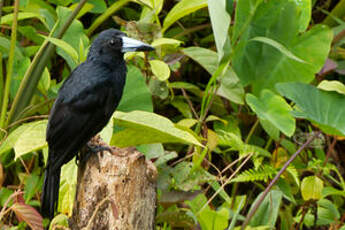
(182, 9)
(146, 128)
(67, 187)
(305, 7)
(220, 20)
(160, 69)
(336, 86)
(278, 46)
(274, 109)
(12, 138)
(208, 218)
(32, 139)
(311, 188)
(63, 45)
(165, 41)
(138, 99)
(230, 87)
(73, 36)
(325, 108)
(8, 18)
(330, 191)
(263, 65)
(268, 211)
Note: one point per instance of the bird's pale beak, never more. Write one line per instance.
(130, 44)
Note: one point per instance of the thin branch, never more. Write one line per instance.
(227, 182)
(190, 103)
(275, 179)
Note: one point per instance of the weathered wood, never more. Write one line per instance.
(115, 192)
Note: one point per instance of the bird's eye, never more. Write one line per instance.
(112, 42)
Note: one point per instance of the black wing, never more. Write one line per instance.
(83, 107)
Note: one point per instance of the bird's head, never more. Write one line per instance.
(113, 42)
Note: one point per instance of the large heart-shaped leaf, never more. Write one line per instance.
(138, 99)
(325, 108)
(141, 127)
(230, 87)
(263, 65)
(273, 109)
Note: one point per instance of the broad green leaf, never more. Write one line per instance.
(274, 109)
(5, 47)
(8, 18)
(220, 20)
(263, 65)
(165, 41)
(268, 211)
(230, 87)
(32, 139)
(67, 187)
(278, 46)
(329, 191)
(12, 138)
(160, 69)
(138, 99)
(146, 128)
(311, 188)
(182, 9)
(208, 218)
(304, 8)
(99, 6)
(74, 34)
(325, 108)
(65, 46)
(245, 11)
(151, 150)
(336, 86)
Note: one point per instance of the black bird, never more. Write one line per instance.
(84, 105)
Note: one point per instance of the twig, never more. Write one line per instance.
(3, 210)
(191, 30)
(275, 179)
(227, 182)
(26, 119)
(190, 103)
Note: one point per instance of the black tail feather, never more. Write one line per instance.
(50, 192)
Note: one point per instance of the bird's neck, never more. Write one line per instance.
(113, 61)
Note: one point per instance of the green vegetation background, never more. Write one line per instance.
(232, 91)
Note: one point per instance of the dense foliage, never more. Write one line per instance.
(233, 90)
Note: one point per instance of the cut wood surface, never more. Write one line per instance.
(115, 192)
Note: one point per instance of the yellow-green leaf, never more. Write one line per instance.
(32, 139)
(160, 69)
(336, 86)
(166, 41)
(65, 46)
(311, 188)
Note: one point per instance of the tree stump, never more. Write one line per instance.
(115, 192)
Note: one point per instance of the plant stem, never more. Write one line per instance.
(275, 179)
(110, 11)
(10, 64)
(33, 74)
(251, 131)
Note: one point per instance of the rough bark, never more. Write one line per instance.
(115, 192)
